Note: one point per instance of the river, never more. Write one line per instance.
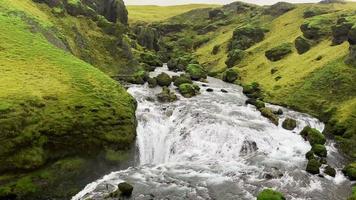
(213, 146)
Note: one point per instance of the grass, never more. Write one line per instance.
(151, 13)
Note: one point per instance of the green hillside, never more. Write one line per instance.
(320, 81)
(57, 112)
(152, 13)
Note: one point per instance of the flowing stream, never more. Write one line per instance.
(213, 146)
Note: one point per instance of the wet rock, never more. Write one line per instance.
(223, 90)
(269, 194)
(256, 102)
(279, 52)
(182, 79)
(289, 124)
(209, 90)
(319, 150)
(125, 189)
(350, 171)
(196, 72)
(204, 85)
(188, 90)
(267, 112)
(163, 79)
(279, 8)
(166, 95)
(152, 82)
(313, 166)
(330, 171)
(248, 147)
(230, 76)
(313, 136)
(278, 112)
(302, 45)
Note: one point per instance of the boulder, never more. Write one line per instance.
(125, 189)
(164, 79)
(302, 45)
(196, 72)
(340, 31)
(279, 8)
(245, 37)
(316, 28)
(313, 166)
(223, 91)
(182, 79)
(330, 171)
(279, 52)
(215, 50)
(269, 194)
(230, 76)
(309, 155)
(350, 171)
(252, 90)
(234, 57)
(289, 124)
(278, 112)
(188, 90)
(319, 150)
(151, 59)
(256, 102)
(313, 136)
(152, 82)
(209, 90)
(139, 77)
(166, 95)
(113, 10)
(267, 112)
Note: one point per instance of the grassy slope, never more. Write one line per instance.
(151, 13)
(308, 85)
(50, 100)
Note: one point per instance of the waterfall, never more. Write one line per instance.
(213, 146)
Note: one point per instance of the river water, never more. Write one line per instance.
(213, 146)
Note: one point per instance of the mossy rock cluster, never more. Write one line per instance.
(313, 166)
(256, 102)
(163, 79)
(147, 37)
(313, 136)
(180, 63)
(252, 90)
(350, 171)
(139, 77)
(289, 124)
(196, 72)
(279, 52)
(183, 78)
(234, 57)
(151, 59)
(188, 90)
(269, 194)
(152, 82)
(245, 37)
(317, 27)
(166, 95)
(230, 76)
(268, 113)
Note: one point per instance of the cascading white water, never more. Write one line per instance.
(213, 146)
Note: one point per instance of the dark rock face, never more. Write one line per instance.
(147, 37)
(245, 37)
(302, 45)
(279, 52)
(340, 31)
(279, 8)
(113, 10)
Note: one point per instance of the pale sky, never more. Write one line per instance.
(178, 2)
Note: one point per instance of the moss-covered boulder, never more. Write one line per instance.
(319, 150)
(152, 82)
(350, 171)
(309, 155)
(139, 77)
(234, 57)
(180, 63)
(316, 27)
(252, 90)
(302, 45)
(215, 49)
(269, 194)
(245, 37)
(151, 59)
(313, 166)
(279, 52)
(166, 95)
(313, 136)
(289, 124)
(341, 30)
(230, 76)
(125, 189)
(188, 90)
(182, 79)
(256, 102)
(196, 72)
(330, 171)
(268, 113)
(163, 79)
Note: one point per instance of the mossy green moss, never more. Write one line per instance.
(196, 72)
(269, 194)
(350, 171)
(313, 136)
(188, 90)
